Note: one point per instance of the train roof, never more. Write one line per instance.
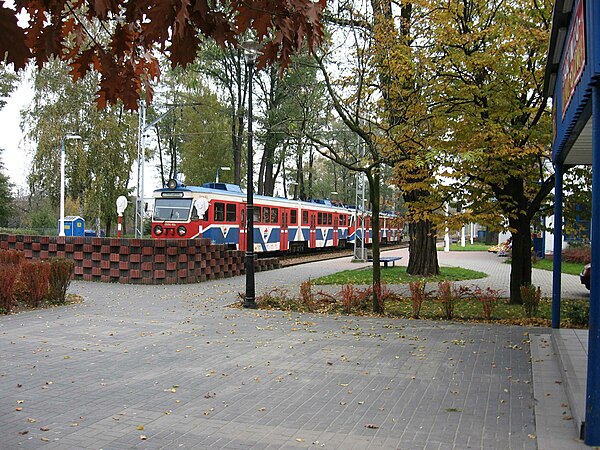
(234, 190)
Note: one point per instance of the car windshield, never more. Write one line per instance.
(172, 208)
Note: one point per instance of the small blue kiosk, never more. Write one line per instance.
(572, 80)
(74, 226)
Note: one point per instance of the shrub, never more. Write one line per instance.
(349, 297)
(580, 255)
(307, 298)
(8, 277)
(448, 295)
(418, 296)
(61, 271)
(489, 300)
(532, 297)
(14, 257)
(35, 275)
(577, 312)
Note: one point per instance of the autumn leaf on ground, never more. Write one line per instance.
(139, 427)
(372, 426)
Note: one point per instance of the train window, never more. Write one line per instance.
(256, 214)
(293, 217)
(304, 217)
(219, 212)
(320, 219)
(329, 219)
(274, 215)
(172, 209)
(231, 212)
(266, 215)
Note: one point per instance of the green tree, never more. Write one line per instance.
(490, 59)
(6, 196)
(97, 166)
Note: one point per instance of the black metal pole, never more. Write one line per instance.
(249, 301)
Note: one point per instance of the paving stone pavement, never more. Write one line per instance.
(174, 367)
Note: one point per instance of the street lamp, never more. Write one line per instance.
(250, 54)
(61, 223)
(226, 168)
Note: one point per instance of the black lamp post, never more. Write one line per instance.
(250, 54)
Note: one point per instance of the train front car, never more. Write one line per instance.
(178, 212)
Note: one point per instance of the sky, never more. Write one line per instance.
(15, 156)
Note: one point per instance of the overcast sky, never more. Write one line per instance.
(15, 156)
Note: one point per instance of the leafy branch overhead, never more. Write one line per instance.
(119, 40)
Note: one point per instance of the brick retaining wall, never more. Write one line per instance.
(138, 261)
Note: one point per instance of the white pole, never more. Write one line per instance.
(462, 237)
(61, 223)
(472, 232)
(447, 235)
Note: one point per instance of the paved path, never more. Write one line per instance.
(173, 367)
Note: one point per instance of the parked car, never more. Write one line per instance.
(585, 276)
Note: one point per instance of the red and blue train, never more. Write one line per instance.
(217, 211)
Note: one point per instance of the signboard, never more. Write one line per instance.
(574, 58)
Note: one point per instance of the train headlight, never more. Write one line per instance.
(181, 230)
(158, 230)
(172, 184)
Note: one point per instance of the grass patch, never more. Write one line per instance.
(467, 248)
(397, 275)
(567, 267)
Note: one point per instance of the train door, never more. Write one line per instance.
(313, 230)
(284, 235)
(243, 228)
(336, 237)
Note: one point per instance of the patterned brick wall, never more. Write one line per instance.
(138, 261)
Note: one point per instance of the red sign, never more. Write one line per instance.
(574, 58)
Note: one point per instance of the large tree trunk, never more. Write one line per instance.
(378, 306)
(422, 251)
(520, 266)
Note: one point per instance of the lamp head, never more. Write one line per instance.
(251, 51)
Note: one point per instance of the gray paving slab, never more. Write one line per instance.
(174, 367)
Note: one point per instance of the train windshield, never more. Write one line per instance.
(172, 208)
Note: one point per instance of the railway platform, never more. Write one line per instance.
(146, 366)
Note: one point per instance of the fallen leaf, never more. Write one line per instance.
(31, 420)
(299, 440)
(372, 426)
(18, 408)
(139, 427)
(143, 437)
(23, 433)
(44, 429)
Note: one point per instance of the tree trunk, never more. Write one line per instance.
(422, 251)
(520, 265)
(378, 306)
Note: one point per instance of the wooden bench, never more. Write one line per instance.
(389, 259)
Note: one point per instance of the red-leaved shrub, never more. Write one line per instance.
(8, 277)
(11, 257)
(61, 271)
(581, 255)
(35, 275)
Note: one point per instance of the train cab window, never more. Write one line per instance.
(266, 215)
(304, 217)
(219, 212)
(293, 217)
(231, 212)
(274, 215)
(256, 214)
